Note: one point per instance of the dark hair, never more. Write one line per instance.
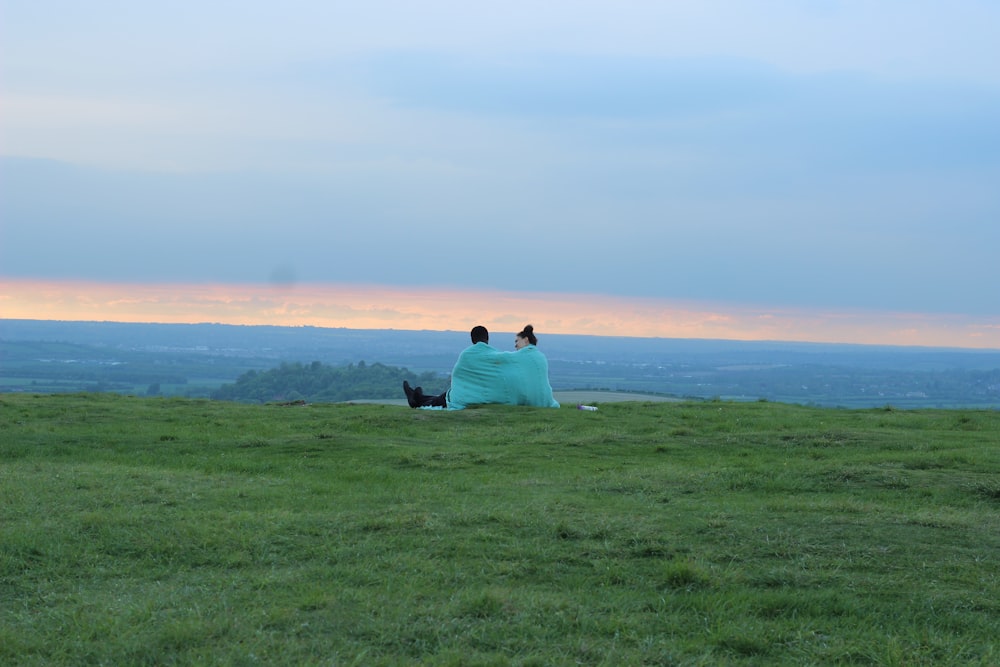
(479, 334)
(529, 333)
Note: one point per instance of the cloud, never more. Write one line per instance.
(781, 153)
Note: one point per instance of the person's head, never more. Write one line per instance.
(525, 337)
(479, 334)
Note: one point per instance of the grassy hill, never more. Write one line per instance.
(147, 531)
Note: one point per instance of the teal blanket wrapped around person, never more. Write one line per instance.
(484, 374)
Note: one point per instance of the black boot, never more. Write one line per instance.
(411, 396)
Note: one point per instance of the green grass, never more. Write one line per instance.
(138, 531)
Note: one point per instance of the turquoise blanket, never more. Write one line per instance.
(484, 374)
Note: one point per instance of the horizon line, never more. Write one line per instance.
(385, 307)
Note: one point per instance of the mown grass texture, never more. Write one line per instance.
(148, 531)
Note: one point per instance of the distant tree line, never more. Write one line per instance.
(320, 383)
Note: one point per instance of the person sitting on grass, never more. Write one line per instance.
(480, 348)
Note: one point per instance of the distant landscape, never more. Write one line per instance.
(198, 360)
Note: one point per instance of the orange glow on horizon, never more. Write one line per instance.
(383, 307)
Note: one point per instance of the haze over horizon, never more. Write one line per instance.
(821, 170)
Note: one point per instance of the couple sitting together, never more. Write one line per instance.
(484, 374)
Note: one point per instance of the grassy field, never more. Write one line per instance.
(144, 531)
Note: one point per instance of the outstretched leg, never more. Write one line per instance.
(439, 401)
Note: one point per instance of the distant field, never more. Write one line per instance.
(583, 396)
(152, 531)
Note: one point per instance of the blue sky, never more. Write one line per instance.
(826, 154)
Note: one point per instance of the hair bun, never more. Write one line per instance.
(529, 328)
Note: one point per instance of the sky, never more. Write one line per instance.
(783, 170)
